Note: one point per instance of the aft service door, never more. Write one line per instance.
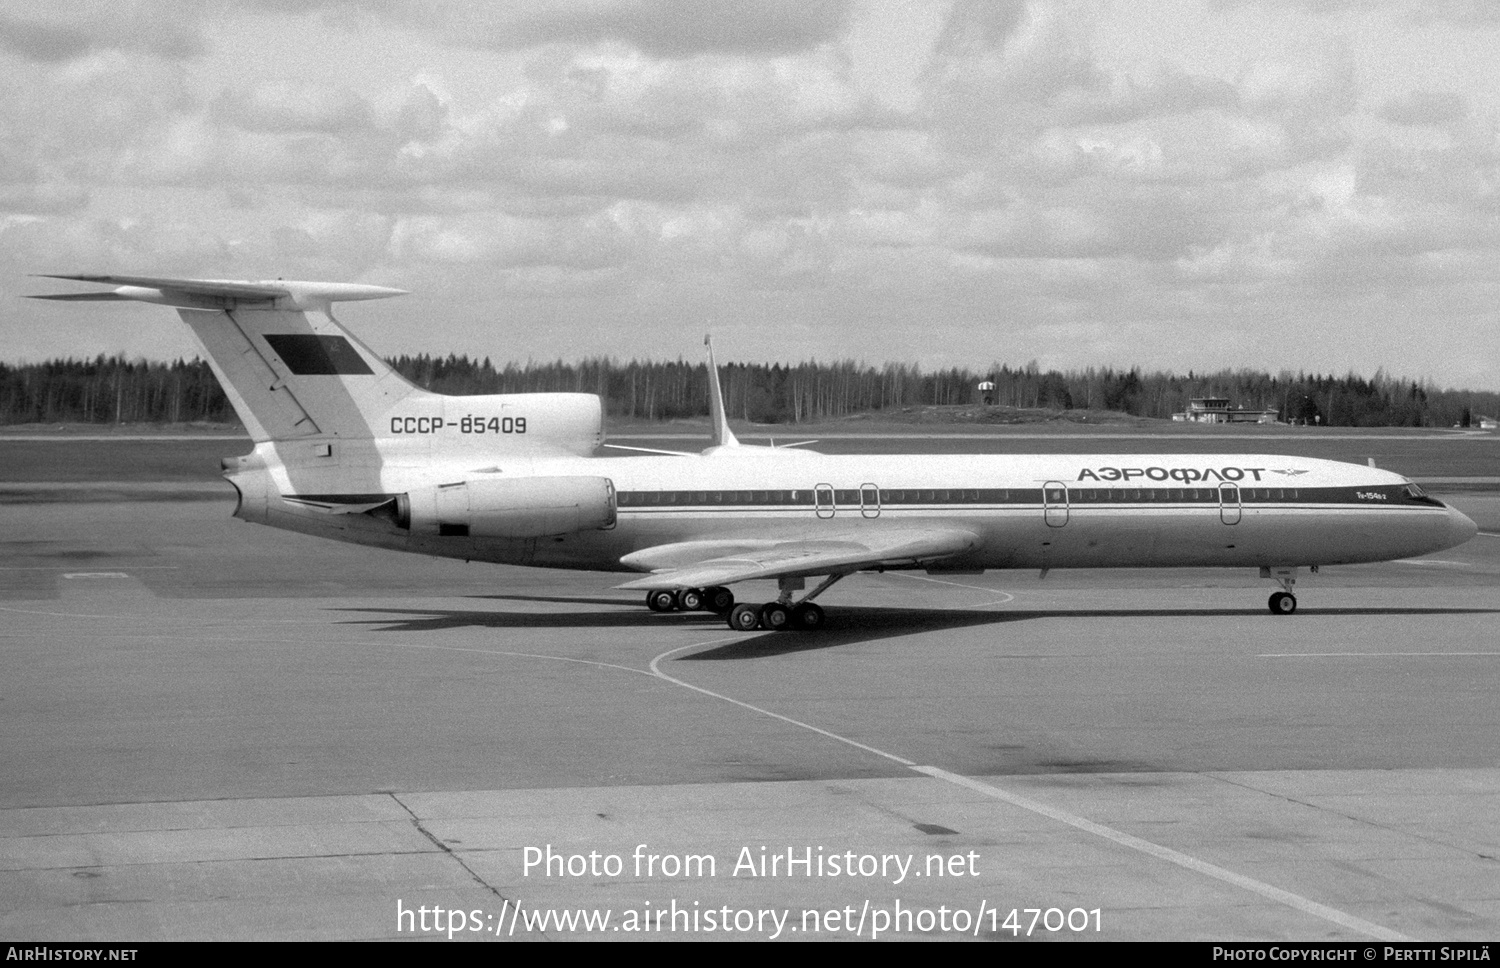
(1229, 504)
(1055, 503)
(869, 500)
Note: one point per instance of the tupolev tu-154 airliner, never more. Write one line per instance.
(345, 448)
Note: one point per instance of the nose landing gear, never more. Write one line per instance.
(1283, 602)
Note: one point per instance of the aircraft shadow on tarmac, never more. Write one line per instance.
(852, 626)
(847, 625)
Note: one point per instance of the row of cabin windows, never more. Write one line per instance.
(855, 498)
(1211, 495)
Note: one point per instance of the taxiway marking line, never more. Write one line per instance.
(1297, 901)
(656, 671)
(197, 625)
(956, 584)
(1368, 655)
(514, 655)
(66, 567)
(1171, 856)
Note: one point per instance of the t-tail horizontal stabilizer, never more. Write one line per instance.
(223, 293)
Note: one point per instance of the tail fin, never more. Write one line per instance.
(288, 367)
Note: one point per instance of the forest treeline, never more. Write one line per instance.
(120, 390)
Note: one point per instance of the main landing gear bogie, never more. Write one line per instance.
(776, 617)
(716, 599)
(783, 614)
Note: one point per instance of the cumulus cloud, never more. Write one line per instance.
(509, 242)
(659, 28)
(64, 32)
(679, 158)
(1425, 108)
(42, 197)
(80, 120)
(283, 106)
(1463, 12)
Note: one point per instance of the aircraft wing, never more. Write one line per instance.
(700, 564)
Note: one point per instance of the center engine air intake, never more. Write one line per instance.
(514, 508)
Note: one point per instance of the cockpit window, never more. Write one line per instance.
(1413, 492)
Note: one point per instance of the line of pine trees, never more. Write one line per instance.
(117, 390)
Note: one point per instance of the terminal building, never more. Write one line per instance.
(1217, 410)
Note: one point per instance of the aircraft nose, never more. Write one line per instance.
(1460, 527)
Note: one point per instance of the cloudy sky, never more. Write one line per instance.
(1182, 184)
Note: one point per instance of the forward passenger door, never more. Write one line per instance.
(1055, 503)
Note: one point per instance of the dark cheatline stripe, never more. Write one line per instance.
(1383, 496)
(308, 355)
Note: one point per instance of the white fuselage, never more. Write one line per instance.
(1049, 511)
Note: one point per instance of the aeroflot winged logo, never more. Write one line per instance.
(1183, 475)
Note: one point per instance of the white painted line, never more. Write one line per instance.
(656, 671)
(1296, 901)
(199, 626)
(32, 611)
(1008, 597)
(66, 567)
(513, 655)
(1369, 655)
(1172, 857)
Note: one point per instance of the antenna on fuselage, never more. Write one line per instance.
(722, 435)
